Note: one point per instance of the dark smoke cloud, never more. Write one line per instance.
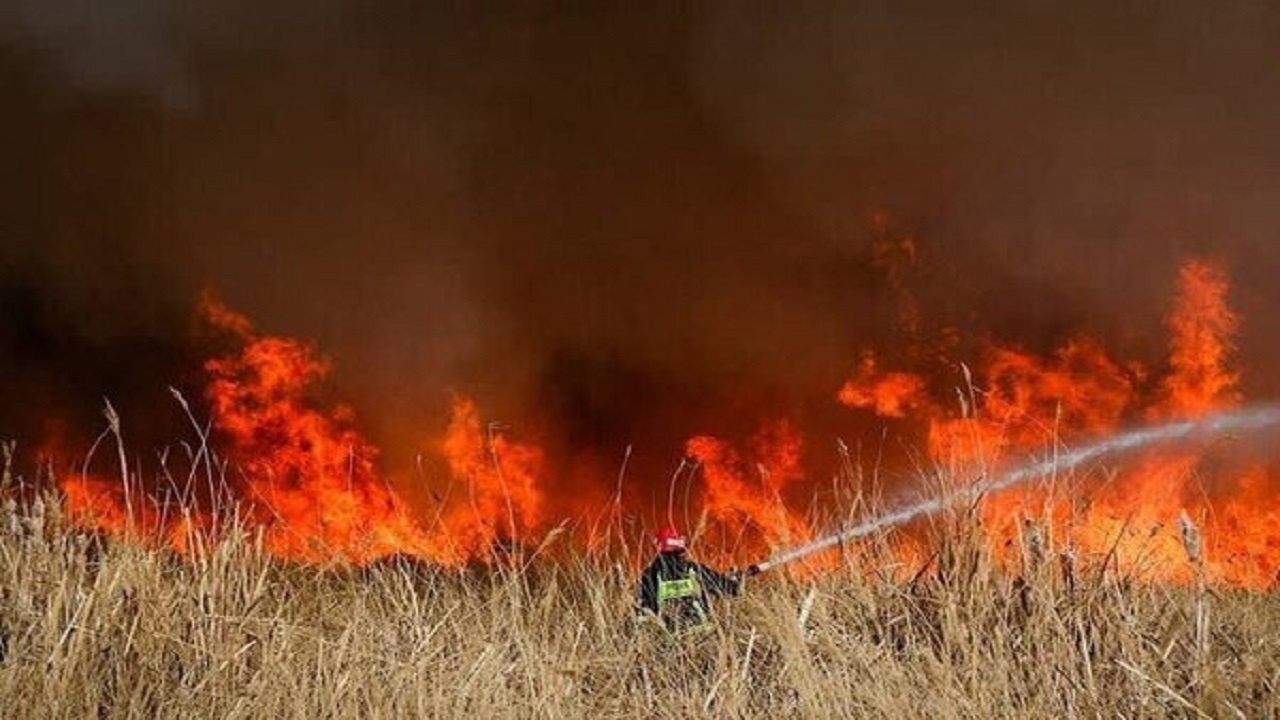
(616, 225)
(120, 45)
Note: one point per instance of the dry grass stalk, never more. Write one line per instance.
(1193, 544)
(113, 629)
(118, 630)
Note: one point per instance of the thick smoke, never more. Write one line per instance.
(614, 226)
(120, 45)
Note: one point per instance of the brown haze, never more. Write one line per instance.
(610, 227)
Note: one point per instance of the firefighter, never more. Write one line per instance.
(675, 589)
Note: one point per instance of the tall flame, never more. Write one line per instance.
(1203, 330)
(307, 476)
(739, 503)
(1021, 403)
(299, 471)
(503, 500)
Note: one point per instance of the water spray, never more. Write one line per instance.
(1240, 421)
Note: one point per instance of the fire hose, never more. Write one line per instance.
(819, 545)
(1213, 425)
(863, 529)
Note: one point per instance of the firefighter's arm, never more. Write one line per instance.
(740, 576)
(647, 594)
(719, 583)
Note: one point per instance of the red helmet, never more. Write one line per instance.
(670, 540)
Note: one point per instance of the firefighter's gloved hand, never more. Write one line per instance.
(737, 576)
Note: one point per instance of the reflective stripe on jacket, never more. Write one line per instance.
(676, 590)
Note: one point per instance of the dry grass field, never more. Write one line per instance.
(103, 628)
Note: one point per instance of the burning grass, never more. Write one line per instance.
(298, 467)
(273, 569)
(94, 626)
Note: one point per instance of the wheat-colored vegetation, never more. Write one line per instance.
(94, 627)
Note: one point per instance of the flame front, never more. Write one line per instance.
(300, 472)
(304, 476)
(1022, 404)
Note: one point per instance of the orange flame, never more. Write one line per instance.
(306, 478)
(309, 477)
(302, 474)
(734, 501)
(1203, 329)
(503, 498)
(1023, 404)
(889, 394)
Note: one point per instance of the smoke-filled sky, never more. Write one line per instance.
(615, 224)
